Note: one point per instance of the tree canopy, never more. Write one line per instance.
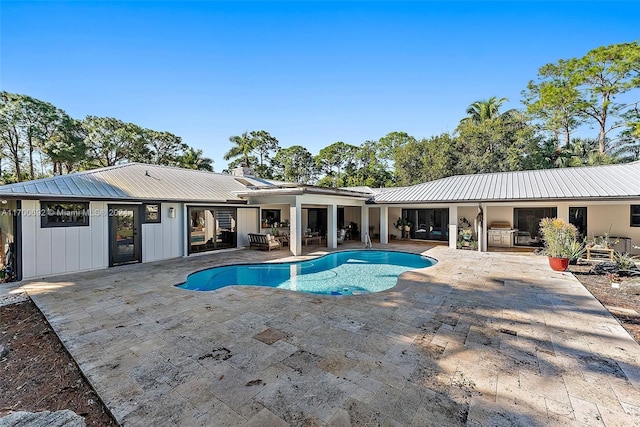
(600, 90)
(587, 90)
(39, 139)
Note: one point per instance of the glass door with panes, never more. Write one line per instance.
(124, 234)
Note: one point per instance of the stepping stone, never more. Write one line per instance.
(65, 418)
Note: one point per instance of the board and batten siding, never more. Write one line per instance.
(247, 222)
(164, 240)
(57, 250)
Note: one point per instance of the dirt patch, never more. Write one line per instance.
(623, 302)
(37, 373)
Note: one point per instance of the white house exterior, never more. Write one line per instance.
(598, 199)
(141, 213)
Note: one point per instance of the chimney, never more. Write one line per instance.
(242, 170)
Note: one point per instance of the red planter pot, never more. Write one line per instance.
(558, 264)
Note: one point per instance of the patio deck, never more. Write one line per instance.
(478, 339)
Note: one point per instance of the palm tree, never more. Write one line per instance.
(193, 159)
(244, 145)
(481, 111)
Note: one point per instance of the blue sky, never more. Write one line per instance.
(310, 73)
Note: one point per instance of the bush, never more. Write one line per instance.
(624, 261)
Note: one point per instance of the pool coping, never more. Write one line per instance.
(301, 261)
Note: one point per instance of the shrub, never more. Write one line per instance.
(624, 261)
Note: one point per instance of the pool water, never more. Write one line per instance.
(338, 273)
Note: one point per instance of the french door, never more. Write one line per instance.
(124, 235)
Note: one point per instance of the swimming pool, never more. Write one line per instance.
(338, 273)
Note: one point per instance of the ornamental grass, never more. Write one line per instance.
(561, 239)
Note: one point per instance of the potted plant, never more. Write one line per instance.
(466, 234)
(560, 242)
(403, 225)
(602, 242)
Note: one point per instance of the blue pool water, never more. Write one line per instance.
(338, 273)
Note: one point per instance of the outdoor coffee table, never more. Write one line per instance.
(311, 239)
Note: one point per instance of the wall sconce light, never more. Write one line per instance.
(172, 212)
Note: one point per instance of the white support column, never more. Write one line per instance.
(364, 220)
(453, 226)
(186, 226)
(563, 211)
(332, 226)
(384, 225)
(295, 228)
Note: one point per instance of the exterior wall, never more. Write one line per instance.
(304, 218)
(601, 217)
(49, 251)
(247, 222)
(612, 219)
(352, 214)
(58, 250)
(164, 240)
(497, 213)
(394, 214)
(374, 219)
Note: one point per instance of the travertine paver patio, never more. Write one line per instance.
(479, 339)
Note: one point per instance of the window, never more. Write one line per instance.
(152, 213)
(270, 217)
(635, 215)
(64, 214)
(578, 217)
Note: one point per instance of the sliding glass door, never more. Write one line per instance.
(527, 221)
(211, 228)
(428, 224)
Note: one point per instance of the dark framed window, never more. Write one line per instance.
(578, 217)
(270, 217)
(635, 215)
(64, 214)
(152, 213)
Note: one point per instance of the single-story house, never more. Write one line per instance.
(140, 213)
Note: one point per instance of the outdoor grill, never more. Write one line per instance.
(501, 234)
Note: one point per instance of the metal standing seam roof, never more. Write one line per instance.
(138, 181)
(590, 182)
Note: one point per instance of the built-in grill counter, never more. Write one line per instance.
(501, 234)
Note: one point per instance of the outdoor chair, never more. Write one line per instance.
(263, 241)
